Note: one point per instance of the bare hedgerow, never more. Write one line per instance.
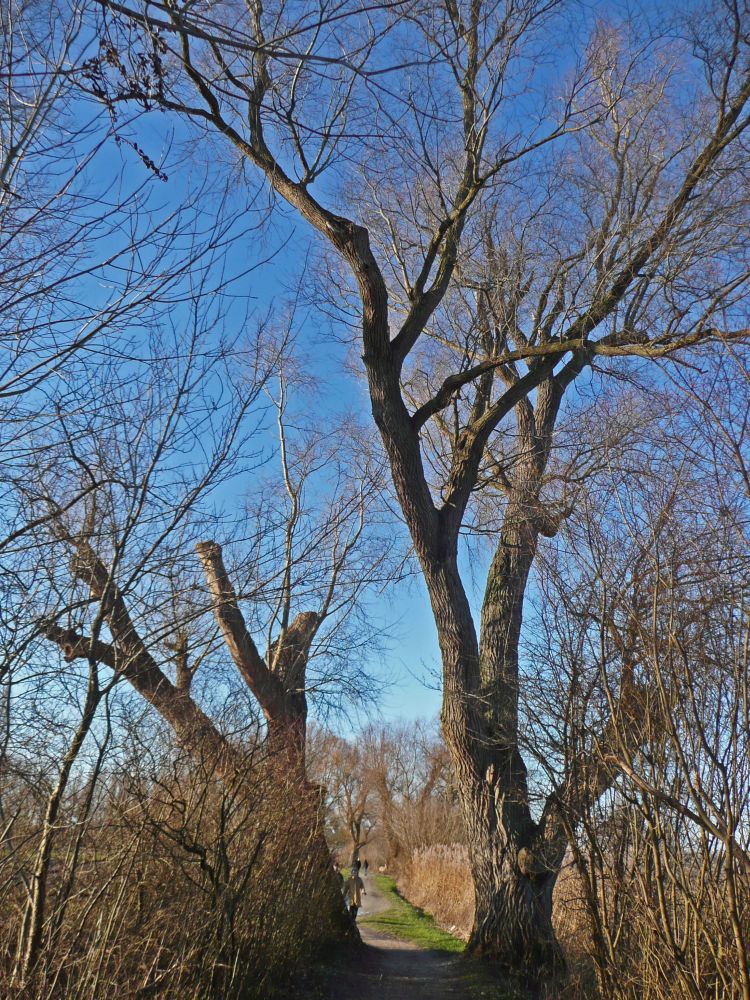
(646, 611)
(173, 884)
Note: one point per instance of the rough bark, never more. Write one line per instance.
(514, 873)
(514, 862)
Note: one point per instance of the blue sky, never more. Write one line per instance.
(412, 657)
(409, 664)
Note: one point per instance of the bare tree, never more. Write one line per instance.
(122, 419)
(93, 260)
(340, 768)
(111, 576)
(497, 248)
(388, 786)
(417, 799)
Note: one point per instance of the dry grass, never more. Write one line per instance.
(615, 936)
(438, 880)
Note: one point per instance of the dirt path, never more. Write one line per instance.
(391, 969)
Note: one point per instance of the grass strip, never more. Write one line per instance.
(402, 920)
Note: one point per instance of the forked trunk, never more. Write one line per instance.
(514, 866)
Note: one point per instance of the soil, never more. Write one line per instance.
(386, 968)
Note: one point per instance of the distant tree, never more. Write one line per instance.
(412, 778)
(389, 786)
(341, 769)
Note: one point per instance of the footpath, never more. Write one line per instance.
(405, 957)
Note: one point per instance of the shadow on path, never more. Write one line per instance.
(388, 968)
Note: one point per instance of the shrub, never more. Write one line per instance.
(174, 886)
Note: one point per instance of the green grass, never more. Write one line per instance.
(402, 920)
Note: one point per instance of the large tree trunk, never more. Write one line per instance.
(513, 863)
(286, 743)
(514, 873)
(514, 921)
(514, 866)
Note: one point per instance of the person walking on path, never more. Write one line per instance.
(365, 866)
(339, 875)
(354, 890)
